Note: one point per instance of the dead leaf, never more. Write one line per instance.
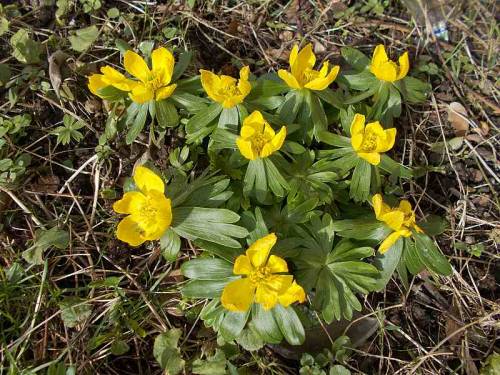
(55, 61)
(476, 138)
(453, 324)
(484, 127)
(457, 116)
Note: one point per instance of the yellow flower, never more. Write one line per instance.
(387, 70)
(400, 219)
(303, 75)
(370, 140)
(154, 83)
(264, 280)
(257, 138)
(109, 77)
(224, 89)
(149, 211)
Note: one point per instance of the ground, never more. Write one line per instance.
(437, 326)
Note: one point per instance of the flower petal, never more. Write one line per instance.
(358, 124)
(320, 84)
(96, 83)
(371, 157)
(394, 219)
(242, 265)
(404, 65)
(293, 294)
(247, 131)
(388, 242)
(165, 92)
(289, 79)
(244, 73)
(387, 71)
(246, 149)
(146, 180)
(255, 120)
(305, 59)
(293, 54)
(258, 252)
(275, 143)
(378, 205)
(136, 66)
(211, 84)
(131, 202)
(163, 65)
(387, 142)
(130, 232)
(141, 94)
(277, 264)
(238, 295)
(379, 55)
(114, 78)
(266, 296)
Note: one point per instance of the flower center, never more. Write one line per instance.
(154, 83)
(229, 90)
(258, 142)
(148, 212)
(259, 275)
(369, 142)
(308, 75)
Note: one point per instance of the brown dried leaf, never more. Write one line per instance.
(457, 116)
(55, 61)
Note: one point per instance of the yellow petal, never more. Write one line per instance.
(242, 265)
(379, 55)
(146, 180)
(289, 79)
(293, 54)
(387, 71)
(278, 283)
(293, 294)
(394, 219)
(244, 73)
(165, 92)
(238, 295)
(371, 157)
(141, 94)
(405, 207)
(266, 296)
(163, 65)
(246, 149)
(132, 201)
(279, 139)
(211, 83)
(247, 131)
(375, 128)
(305, 59)
(388, 242)
(277, 264)
(130, 232)
(387, 142)
(358, 125)
(136, 66)
(404, 65)
(320, 84)
(255, 120)
(231, 101)
(114, 78)
(164, 213)
(378, 205)
(259, 250)
(96, 83)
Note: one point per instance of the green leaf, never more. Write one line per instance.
(214, 365)
(190, 102)
(413, 90)
(166, 114)
(355, 58)
(167, 352)
(339, 370)
(250, 340)
(434, 225)
(289, 324)
(74, 311)
(233, 324)
(388, 262)
(207, 269)
(290, 107)
(430, 255)
(5, 74)
(411, 258)
(229, 119)
(4, 25)
(255, 179)
(318, 115)
(203, 118)
(275, 180)
(170, 245)
(362, 229)
(205, 288)
(181, 65)
(119, 347)
(334, 98)
(360, 182)
(45, 239)
(138, 123)
(224, 252)
(82, 39)
(333, 139)
(264, 324)
(210, 224)
(222, 139)
(26, 50)
(394, 168)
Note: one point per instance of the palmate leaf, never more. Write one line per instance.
(335, 272)
(261, 178)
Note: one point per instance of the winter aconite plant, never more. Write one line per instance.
(299, 211)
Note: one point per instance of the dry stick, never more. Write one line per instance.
(96, 195)
(22, 206)
(77, 172)
(485, 165)
(451, 335)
